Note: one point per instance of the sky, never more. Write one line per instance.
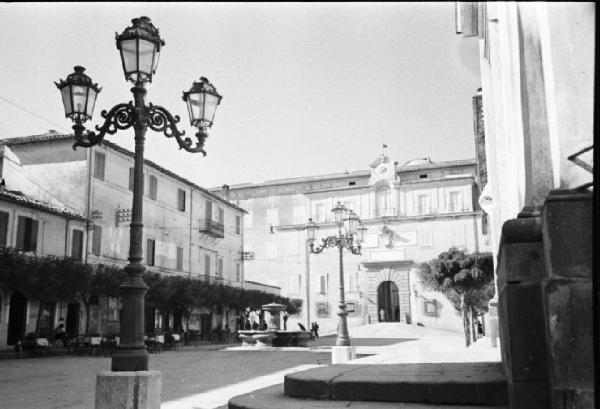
(308, 88)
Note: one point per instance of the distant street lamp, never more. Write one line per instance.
(351, 238)
(140, 46)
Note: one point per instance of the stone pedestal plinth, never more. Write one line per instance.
(342, 354)
(128, 390)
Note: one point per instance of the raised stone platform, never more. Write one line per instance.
(477, 383)
(273, 397)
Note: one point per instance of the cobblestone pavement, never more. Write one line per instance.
(68, 382)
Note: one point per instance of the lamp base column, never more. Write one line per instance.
(341, 354)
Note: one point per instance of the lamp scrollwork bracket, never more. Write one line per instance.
(161, 120)
(120, 116)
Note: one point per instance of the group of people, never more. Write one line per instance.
(314, 329)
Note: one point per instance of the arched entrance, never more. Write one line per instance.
(388, 300)
(16, 318)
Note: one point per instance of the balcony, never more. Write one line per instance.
(386, 212)
(212, 228)
(248, 255)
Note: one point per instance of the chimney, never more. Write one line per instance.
(225, 192)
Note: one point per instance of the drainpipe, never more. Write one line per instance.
(475, 233)
(89, 204)
(307, 256)
(67, 235)
(190, 242)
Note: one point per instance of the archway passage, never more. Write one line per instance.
(388, 302)
(16, 318)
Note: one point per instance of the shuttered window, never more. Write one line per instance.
(77, 244)
(97, 241)
(3, 228)
(179, 258)
(99, 163)
(27, 231)
(150, 247)
(181, 199)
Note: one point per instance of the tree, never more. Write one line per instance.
(467, 280)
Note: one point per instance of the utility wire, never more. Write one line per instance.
(33, 113)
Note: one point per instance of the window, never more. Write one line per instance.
(458, 236)
(294, 244)
(97, 240)
(384, 202)
(352, 282)
(207, 265)
(320, 213)
(3, 228)
(150, 248)
(454, 204)
(208, 210)
(298, 214)
(99, 162)
(238, 272)
(152, 188)
(422, 176)
(322, 284)
(181, 199)
(238, 224)
(426, 237)
(27, 231)
(77, 244)
(220, 268)
(179, 258)
(221, 218)
(422, 204)
(272, 217)
(131, 181)
(430, 307)
(271, 250)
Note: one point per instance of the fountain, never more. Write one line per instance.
(273, 335)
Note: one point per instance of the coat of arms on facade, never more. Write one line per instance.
(390, 237)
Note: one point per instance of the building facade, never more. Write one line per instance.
(41, 226)
(188, 231)
(412, 213)
(537, 64)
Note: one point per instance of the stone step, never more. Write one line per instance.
(465, 383)
(274, 398)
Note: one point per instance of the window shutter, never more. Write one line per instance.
(77, 244)
(3, 228)
(99, 162)
(97, 240)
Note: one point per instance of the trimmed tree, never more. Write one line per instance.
(467, 280)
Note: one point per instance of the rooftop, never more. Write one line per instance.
(18, 197)
(55, 136)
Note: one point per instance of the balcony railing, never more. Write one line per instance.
(387, 212)
(212, 228)
(248, 255)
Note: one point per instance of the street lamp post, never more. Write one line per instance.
(139, 46)
(351, 238)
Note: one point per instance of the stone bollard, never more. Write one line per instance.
(128, 390)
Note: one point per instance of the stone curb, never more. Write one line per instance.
(273, 397)
(472, 383)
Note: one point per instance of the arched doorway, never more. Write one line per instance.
(388, 300)
(16, 318)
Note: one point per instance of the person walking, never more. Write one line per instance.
(381, 315)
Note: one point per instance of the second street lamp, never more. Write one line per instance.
(351, 238)
(139, 46)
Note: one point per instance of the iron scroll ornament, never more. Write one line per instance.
(161, 120)
(333, 241)
(120, 116)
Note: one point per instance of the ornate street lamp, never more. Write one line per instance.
(350, 238)
(140, 47)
